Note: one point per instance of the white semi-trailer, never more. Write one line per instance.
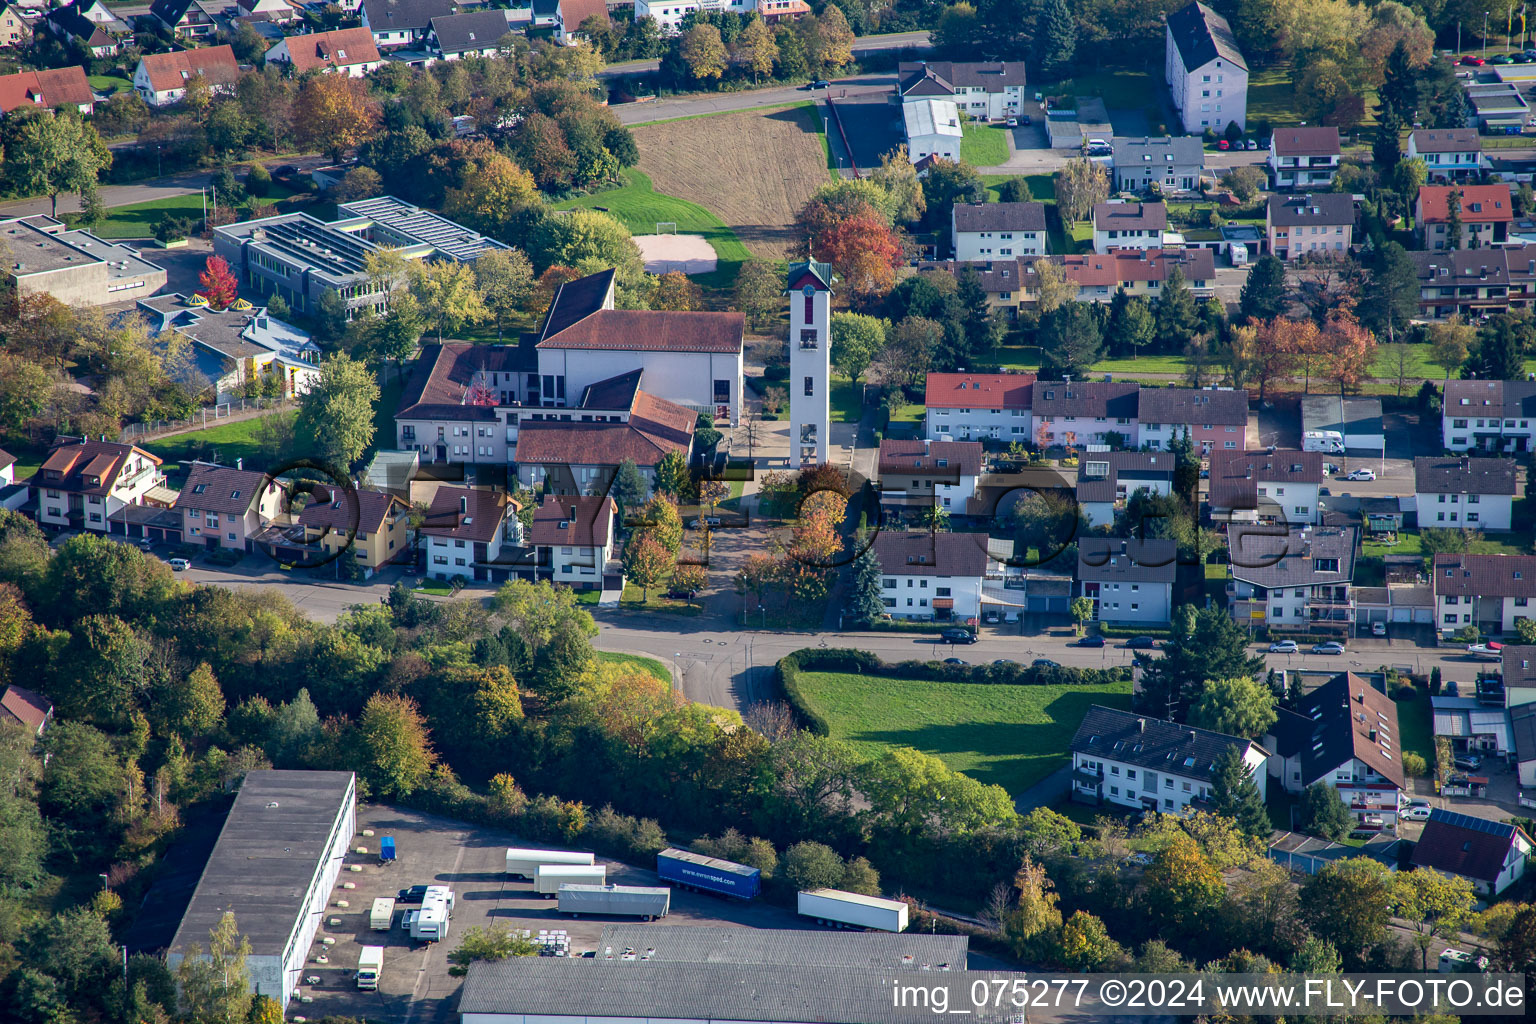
(548, 878)
(627, 900)
(853, 910)
(523, 863)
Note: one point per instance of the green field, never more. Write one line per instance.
(138, 220)
(107, 83)
(1120, 88)
(228, 441)
(639, 207)
(636, 661)
(984, 145)
(1010, 736)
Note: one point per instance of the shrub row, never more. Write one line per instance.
(1129, 631)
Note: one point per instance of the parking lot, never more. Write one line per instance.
(415, 986)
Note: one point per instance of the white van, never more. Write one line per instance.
(1239, 254)
(1330, 442)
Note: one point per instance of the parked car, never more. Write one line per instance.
(704, 521)
(1378, 629)
(1091, 641)
(1284, 647)
(178, 564)
(682, 595)
(1223, 145)
(1467, 762)
(1473, 61)
(954, 661)
(1026, 119)
(1141, 643)
(415, 894)
(1043, 663)
(958, 636)
(1361, 474)
(1012, 122)
(1251, 144)
(1005, 661)
(145, 543)
(820, 83)
(1415, 813)
(1499, 58)
(1328, 647)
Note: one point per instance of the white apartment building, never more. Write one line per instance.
(984, 90)
(932, 576)
(1258, 487)
(1344, 735)
(1491, 592)
(978, 407)
(1489, 415)
(1464, 493)
(1449, 154)
(985, 231)
(1106, 480)
(1130, 760)
(81, 485)
(1121, 225)
(573, 539)
(1298, 581)
(1205, 71)
(922, 473)
(1213, 418)
(464, 531)
(1130, 582)
(1304, 157)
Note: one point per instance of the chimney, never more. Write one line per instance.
(240, 463)
(1141, 725)
(1373, 735)
(463, 504)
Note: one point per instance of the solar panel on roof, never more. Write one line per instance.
(1466, 821)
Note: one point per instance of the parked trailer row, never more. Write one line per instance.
(548, 878)
(524, 863)
(853, 910)
(626, 900)
(708, 874)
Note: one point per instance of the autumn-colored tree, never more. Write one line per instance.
(754, 48)
(704, 52)
(1287, 345)
(646, 563)
(713, 492)
(690, 578)
(864, 252)
(659, 520)
(217, 283)
(1350, 349)
(631, 705)
(549, 282)
(759, 572)
(1052, 289)
(335, 113)
(491, 193)
(675, 290)
(833, 42)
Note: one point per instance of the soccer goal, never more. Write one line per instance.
(666, 227)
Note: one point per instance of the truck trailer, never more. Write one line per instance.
(621, 900)
(853, 910)
(382, 917)
(548, 878)
(524, 863)
(708, 874)
(370, 964)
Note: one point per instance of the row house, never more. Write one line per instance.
(1472, 282)
(1491, 592)
(1172, 163)
(573, 540)
(922, 474)
(1464, 493)
(1280, 486)
(465, 529)
(1304, 157)
(1489, 415)
(1130, 582)
(1131, 760)
(932, 576)
(1120, 225)
(1137, 272)
(1449, 154)
(1213, 418)
(370, 529)
(1106, 481)
(984, 231)
(1074, 413)
(1518, 671)
(161, 79)
(984, 90)
(226, 507)
(1484, 211)
(1206, 74)
(403, 24)
(345, 51)
(1316, 224)
(83, 484)
(978, 406)
(1343, 735)
(1297, 580)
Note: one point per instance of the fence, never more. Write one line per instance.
(212, 415)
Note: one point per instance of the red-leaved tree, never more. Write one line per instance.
(218, 282)
(864, 252)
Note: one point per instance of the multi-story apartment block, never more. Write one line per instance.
(1297, 581)
(1213, 418)
(984, 231)
(1131, 760)
(1074, 413)
(1316, 224)
(1304, 158)
(1489, 415)
(978, 407)
(1470, 282)
(930, 473)
(926, 575)
(1484, 212)
(82, 484)
(1107, 480)
(1265, 487)
(464, 530)
(1137, 272)
(1170, 163)
(1464, 493)
(1491, 592)
(573, 539)
(1449, 154)
(1205, 71)
(225, 507)
(1343, 735)
(1120, 225)
(985, 90)
(1130, 582)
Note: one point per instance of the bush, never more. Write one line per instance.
(1404, 692)
(172, 228)
(258, 181)
(1414, 764)
(813, 866)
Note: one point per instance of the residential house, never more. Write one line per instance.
(464, 530)
(7, 469)
(932, 129)
(1489, 854)
(984, 90)
(91, 25)
(1467, 282)
(1122, 225)
(225, 507)
(1491, 592)
(236, 346)
(1130, 760)
(1489, 415)
(571, 14)
(1106, 480)
(1304, 157)
(75, 267)
(1130, 582)
(1137, 272)
(918, 474)
(1449, 154)
(344, 51)
(1297, 581)
(161, 78)
(1315, 224)
(1212, 418)
(21, 706)
(1485, 213)
(1169, 164)
(567, 455)
(374, 526)
(1343, 735)
(978, 407)
(1464, 493)
(669, 14)
(1205, 70)
(982, 231)
(1265, 487)
(183, 18)
(472, 34)
(573, 539)
(1518, 670)
(50, 88)
(463, 401)
(15, 29)
(277, 12)
(82, 484)
(1006, 282)
(402, 24)
(927, 575)
(1074, 413)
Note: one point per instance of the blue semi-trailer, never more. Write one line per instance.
(708, 874)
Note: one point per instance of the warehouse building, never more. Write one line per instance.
(789, 947)
(273, 866)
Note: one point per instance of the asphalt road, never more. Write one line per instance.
(861, 44)
(139, 191)
(716, 103)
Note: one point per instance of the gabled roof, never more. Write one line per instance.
(1330, 208)
(475, 30)
(936, 458)
(25, 707)
(1459, 844)
(167, 71)
(1485, 266)
(1519, 665)
(655, 428)
(651, 330)
(1485, 576)
(999, 216)
(1199, 406)
(1099, 477)
(465, 513)
(339, 48)
(978, 390)
(1480, 204)
(1202, 35)
(1157, 151)
(1130, 217)
(1165, 747)
(1235, 476)
(341, 510)
(921, 553)
(439, 385)
(1101, 559)
(1118, 267)
(920, 77)
(55, 87)
(614, 393)
(171, 12)
(1305, 556)
(574, 12)
(1316, 140)
(1344, 718)
(1463, 475)
(1515, 399)
(405, 15)
(1446, 140)
(74, 465)
(583, 522)
(1054, 398)
(223, 489)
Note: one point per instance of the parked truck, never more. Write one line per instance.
(853, 910)
(548, 878)
(708, 874)
(370, 964)
(382, 917)
(621, 900)
(524, 863)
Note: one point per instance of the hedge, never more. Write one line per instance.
(1130, 631)
(826, 659)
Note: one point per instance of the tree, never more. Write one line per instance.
(1181, 888)
(864, 252)
(629, 487)
(1434, 905)
(1052, 289)
(1216, 648)
(396, 752)
(492, 943)
(1080, 185)
(646, 564)
(915, 794)
(1237, 706)
(1399, 357)
(1517, 945)
(491, 193)
(401, 329)
(1245, 183)
(754, 48)
(703, 52)
(1130, 326)
(672, 476)
(1236, 796)
(1450, 342)
(897, 177)
(949, 182)
(908, 352)
(1014, 190)
(1347, 904)
(49, 153)
(217, 283)
(856, 341)
(675, 291)
(335, 114)
(357, 183)
(25, 390)
(1055, 38)
(1085, 942)
(866, 604)
(1453, 219)
(1499, 353)
(809, 865)
(832, 43)
(1323, 812)
(1263, 295)
(1082, 611)
(448, 294)
(216, 988)
(1175, 313)
(690, 578)
(1070, 341)
(759, 292)
(1350, 349)
(337, 410)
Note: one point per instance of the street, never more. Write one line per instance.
(861, 44)
(145, 191)
(716, 103)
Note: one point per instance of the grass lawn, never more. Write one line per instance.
(636, 661)
(984, 145)
(1408, 543)
(909, 412)
(1120, 88)
(1010, 736)
(847, 400)
(138, 220)
(1271, 98)
(437, 588)
(106, 83)
(1415, 721)
(658, 602)
(384, 435)
(640, 208)
(229, 441)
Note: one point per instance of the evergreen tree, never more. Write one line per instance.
(865, 606)
(1130, 325)
(1386, 150)
(1499, 353)
(1391, 296)
(1055, 39)
(1263, 296)
(982, 327)
(1217, 648)
(1323, 812)
(1070, 341)
(629, 487)
(1176, 314)
(1236, 796)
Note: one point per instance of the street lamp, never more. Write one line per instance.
(1485, 35)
